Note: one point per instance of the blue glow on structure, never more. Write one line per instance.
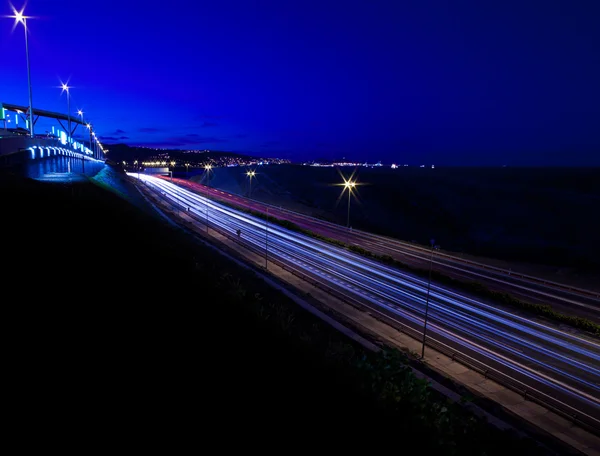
(32, 149)
(63, 138)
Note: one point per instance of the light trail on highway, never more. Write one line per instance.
(557, 367)
(563, 298)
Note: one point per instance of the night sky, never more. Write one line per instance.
(431, 81)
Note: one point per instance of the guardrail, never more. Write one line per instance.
(590, 423)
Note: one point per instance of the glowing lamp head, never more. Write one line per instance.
(80, 112)
(208, 167)
(19, 16)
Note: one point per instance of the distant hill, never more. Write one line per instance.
(124, 152)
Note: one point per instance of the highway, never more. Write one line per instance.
(582, 303)
(558, 368)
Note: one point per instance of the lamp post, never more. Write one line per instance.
(267, 240)
(66, 88)
(207, 168)
(432, 241)
(19, 17)
(80, 114)
(348, 185)
(250, 174)
(187, 170)
(96, 143)
(92, 148)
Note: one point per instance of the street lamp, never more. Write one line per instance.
(207, 168)
(432, 241)
(348, 185)
(92, 147)
(19, 17)
(267, 240)
(66, 88)
(80, 114)
(250, 174)
(187, 170)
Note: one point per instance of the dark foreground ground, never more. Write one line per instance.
(121, 334)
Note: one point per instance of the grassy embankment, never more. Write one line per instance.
(147, 329)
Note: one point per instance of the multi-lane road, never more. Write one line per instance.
(563, 298)
(557, 367)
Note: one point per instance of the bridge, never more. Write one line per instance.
(57, 151)
(60, 146)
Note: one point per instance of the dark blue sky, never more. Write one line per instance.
(476, 82)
